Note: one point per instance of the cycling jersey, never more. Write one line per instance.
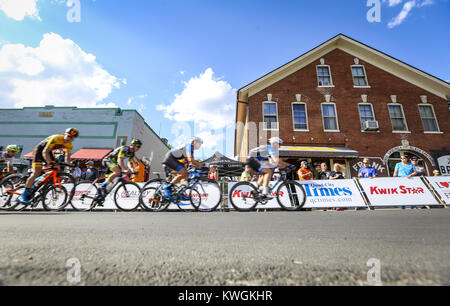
(4, 158)
(263, 153)
(122, 152)
(55, 142)
(183, 152)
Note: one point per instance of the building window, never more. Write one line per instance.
(324, 76)
(428, 118)
(300, 116)
(397, 118)
(330, 122)
(359, 76)
(366, 113)
(270, 116)
(121, 141)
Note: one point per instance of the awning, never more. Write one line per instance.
(91, 154)
(317, 152)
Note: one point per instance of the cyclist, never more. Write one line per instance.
(43, 153)
(8, 156)
(176, 160)
(264, 160)
(115, 162)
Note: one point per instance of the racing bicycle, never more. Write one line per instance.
(290, 195)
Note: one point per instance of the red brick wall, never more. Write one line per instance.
(383, 85)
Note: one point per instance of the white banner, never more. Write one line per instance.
(442, 186)
(397, 192)
(319, 194)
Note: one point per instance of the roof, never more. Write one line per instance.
(301, 151)
(91, 154)
(220, 160)
(368, 54)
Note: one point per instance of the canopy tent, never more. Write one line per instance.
(91, 154)
(226, 167)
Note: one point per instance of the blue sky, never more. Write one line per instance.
(158, 56)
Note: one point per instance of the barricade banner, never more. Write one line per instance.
(397, 192)
(319, 194)
(441, 184)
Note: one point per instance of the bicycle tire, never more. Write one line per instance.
(151, 200)
(296, 200)
(8, 184)
(70, 185)
(241, 196)
(57, 193)
(132, 196)
(81, 203)
(209, 200)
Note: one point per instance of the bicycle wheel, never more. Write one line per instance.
(126, 196)
(151, 199)
(55, 198)
(291, 196)
(69, 183)
(10, 191)
(242, 196)
(195, 199)
(210, 193)
(84, 197)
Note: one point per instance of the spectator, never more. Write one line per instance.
(76, 173)
(213, 175)
(91, 173)
(324, 173)
(304, 174)
(366, 171)
(247, 175)
(405, 168)
(337, 174)
(420, 170)
(436, 173)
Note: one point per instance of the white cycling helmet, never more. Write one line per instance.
(276, 140)
(197, 140)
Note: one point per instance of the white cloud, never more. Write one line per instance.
(208, 101)
(406, 10)
(57, 72)
(19, 9)
(132, 99)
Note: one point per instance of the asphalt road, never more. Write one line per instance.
(276, 248)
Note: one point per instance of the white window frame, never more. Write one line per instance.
(323, 118)
(264, 122)
(360, 117)
(317, 73)
(435, 118)
(293, 118)
(365, 76)
(404, 118)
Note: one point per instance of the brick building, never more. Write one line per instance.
(344, 101)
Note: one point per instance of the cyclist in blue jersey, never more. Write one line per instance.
(264, 160)
(178, 159)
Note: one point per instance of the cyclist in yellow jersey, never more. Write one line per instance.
(43, 153)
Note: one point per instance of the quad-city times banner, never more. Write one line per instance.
(319, 194)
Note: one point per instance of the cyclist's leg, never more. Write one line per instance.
(114, 172)
(37, 164)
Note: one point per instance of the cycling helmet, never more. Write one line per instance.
(136, 142)
(73, 132)
(276, 140)
(14, 148)
(197, 140)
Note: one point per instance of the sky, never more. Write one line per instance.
(181, 62)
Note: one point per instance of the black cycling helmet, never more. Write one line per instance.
(136, 142)
(73, 132)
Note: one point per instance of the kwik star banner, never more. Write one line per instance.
(397, 192)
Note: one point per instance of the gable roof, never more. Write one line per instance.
(363, 52)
